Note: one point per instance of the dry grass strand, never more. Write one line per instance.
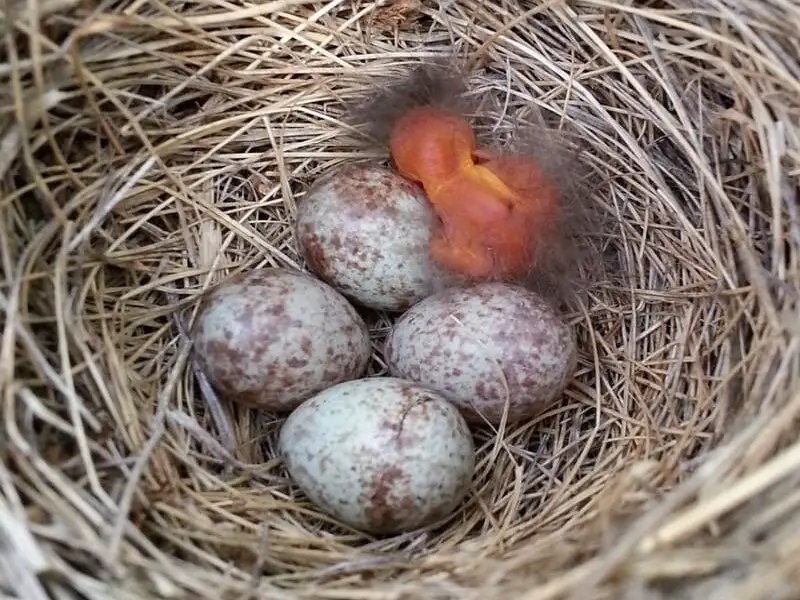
(150, 149)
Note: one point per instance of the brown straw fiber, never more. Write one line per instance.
(150, 148)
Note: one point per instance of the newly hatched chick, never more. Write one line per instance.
(503, 214)
(491, 213)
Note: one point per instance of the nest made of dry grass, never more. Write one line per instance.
(149, 149)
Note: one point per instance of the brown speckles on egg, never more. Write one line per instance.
(274, 337)
(277, 309)
(381, 454)
(483, 346)
(382, 510)
(365, 230)
(315, 253)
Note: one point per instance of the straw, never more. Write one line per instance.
(150, 149)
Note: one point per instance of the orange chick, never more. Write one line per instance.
(493, 208)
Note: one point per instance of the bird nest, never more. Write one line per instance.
(151, 149)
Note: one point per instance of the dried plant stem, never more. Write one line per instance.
(150, 149)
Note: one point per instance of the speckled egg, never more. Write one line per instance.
(364, 229)
(380, 454)
(273, 337)
(484, 347)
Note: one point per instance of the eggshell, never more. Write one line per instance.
(364, 229)
(380, 454)
(274, 337)
(484, 346)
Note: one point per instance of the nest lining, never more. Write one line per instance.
(166, 150)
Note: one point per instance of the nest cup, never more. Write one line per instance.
(149, 150)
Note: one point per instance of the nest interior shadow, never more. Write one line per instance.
(149, 150)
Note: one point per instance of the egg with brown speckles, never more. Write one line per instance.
(273, 337)
(486, 347)
(380, 454)
(365, 230)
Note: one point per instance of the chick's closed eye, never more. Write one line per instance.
(429, 145)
